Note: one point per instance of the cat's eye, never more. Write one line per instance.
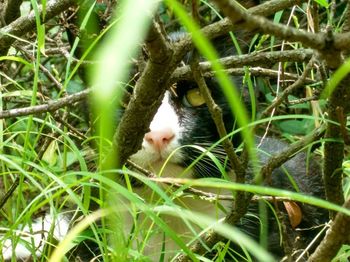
(193, 98)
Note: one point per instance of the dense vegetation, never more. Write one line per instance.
(65, 66)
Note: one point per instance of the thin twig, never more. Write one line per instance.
(216, 114)
(265, 59)
(209, 196)
(297, 84)
(337, 235)
(48, 107)
(27, 23)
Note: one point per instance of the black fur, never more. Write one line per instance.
(201, 130)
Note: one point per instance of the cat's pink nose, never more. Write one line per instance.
(159, 139)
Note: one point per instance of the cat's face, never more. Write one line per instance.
(162, 139)
(183, 128)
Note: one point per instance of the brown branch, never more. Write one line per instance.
(42, 68)
(48, 107)
(253, 71)
(337, 235)
(252, 22)
(266, 59)
(283, 156)
(147, 97)
(327, 43)
(216, 114)
(334, 146)
(226, 25)
(208, 196)
(27, 23)
(297, 84)
(11, 11)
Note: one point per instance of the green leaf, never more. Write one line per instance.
(296, 127)
(323, 3)
(50, 154)
(336, 78)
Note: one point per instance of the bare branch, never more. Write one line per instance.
(48, 107)
(226, 25)
(27, 23)
(255, 59)
(299, 83)
(337, 235)
(282, 157)
(11, 10)
(147, 97)
(233, 10)
(256, 71)
(216, 114)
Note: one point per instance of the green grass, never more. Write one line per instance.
(64, 177)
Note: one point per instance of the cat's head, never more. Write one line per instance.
(183, 126)
(183, 129)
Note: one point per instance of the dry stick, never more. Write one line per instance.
(253, 71)
(147, 97)
(282, 157)
(50, 106)
(253, 20)
(265, 59)
(226, 25)
(61, 119)
(43, 68)
(11, 10)
(208, 196)
(27, 23)
(305, 100)
(216, 114)
(297, 84)
(233, 10)
(240, 204)
(337, 235)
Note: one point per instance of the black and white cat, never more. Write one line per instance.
(183, 119)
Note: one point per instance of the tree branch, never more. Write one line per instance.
(297, 84)
(27, 23)
(48, 107)
(255, 59)
(226, 25)
(11, 10)
(337, 235)
(233, 11)
(147, 97)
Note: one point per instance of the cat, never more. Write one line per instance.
(182, 120)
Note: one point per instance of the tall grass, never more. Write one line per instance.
(68, 170)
